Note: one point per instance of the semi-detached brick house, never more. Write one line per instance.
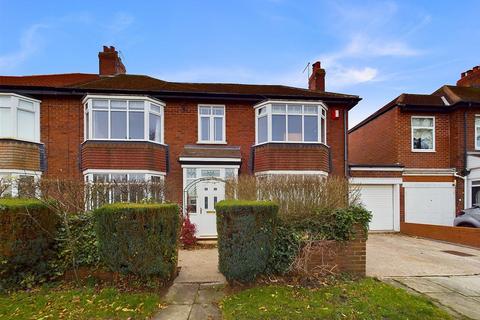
(417, 159)
(114, 125)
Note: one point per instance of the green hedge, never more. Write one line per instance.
(27, 236)
(246, 231)
(139, 238)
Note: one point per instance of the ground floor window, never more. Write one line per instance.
(123, 186)
(475, 193)
(18, 183)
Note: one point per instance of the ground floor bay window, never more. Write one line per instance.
(18, 183)
(123, 186)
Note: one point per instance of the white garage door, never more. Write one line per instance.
(379, 200)
(430, 203)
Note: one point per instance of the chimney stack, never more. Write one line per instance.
(470, 78)
(316, 81)
(109, 63)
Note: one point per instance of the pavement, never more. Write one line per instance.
(423, 266)
(196, 291)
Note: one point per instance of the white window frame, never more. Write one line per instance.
(322, 111)
(212, 125)
(148, 102)
(13, 105)
(477, 132)
(411, 133)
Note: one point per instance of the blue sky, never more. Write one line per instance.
(375, 49)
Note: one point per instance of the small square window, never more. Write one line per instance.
(423, 133)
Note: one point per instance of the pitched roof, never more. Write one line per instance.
(444, 97)
(49, 80)
(141, 82)
(130, 82)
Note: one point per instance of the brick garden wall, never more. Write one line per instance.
(349, 256)
(465, 236)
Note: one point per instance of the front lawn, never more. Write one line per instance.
(364, 299)
(85, 303)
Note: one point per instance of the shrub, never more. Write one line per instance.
(27, 235)
(139, 238)
(298, 196)
(77, 242)
(187, 236)
(246, 231)
(338, 225)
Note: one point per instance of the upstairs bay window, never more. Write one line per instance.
(123, 118)
(19, 117)
(303, 122)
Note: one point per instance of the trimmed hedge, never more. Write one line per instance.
(139, 238)
(246, 231)
(27, 237)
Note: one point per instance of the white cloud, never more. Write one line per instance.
(342, 76)
(121, 21)
(30, 42)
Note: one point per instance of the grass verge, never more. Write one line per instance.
(363, 299)
(84, 303)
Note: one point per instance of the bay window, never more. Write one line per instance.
(302, 122)
(211, 124)
(123, 118)
(19, 117)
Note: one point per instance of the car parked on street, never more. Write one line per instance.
(468, 218)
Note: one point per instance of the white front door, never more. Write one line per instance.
(209, 192)
(203, 187)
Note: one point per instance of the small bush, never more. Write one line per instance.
(246, 231)
(77, 242)
(139, 238)
(189, 229)
(27, 236)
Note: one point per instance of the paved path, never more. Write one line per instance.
(197, 290)
(423, 266)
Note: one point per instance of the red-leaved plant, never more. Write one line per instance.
(188, 232)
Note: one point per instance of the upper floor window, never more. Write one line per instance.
(123, 118)
(211, 124)
(291, 122)
(477, 132)
(19, 117)
(423, 133)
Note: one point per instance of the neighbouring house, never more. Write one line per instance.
(115, 126)
(417, 159)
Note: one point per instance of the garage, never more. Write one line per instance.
(430, 203)
(379, 199)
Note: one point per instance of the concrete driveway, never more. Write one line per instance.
(450, 274)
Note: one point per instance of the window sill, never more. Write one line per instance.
(21, 140)
(211, 142)
(292, 142)
(122, 140)
(424, 151)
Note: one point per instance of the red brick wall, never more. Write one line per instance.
(19, 155)
(465, 236)
(438, 159)
(375, 174)
(336, 140)
(123, 155)
(181, 128)
(336, 256)
(61, 130)
(285, 156)
(375, 142)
